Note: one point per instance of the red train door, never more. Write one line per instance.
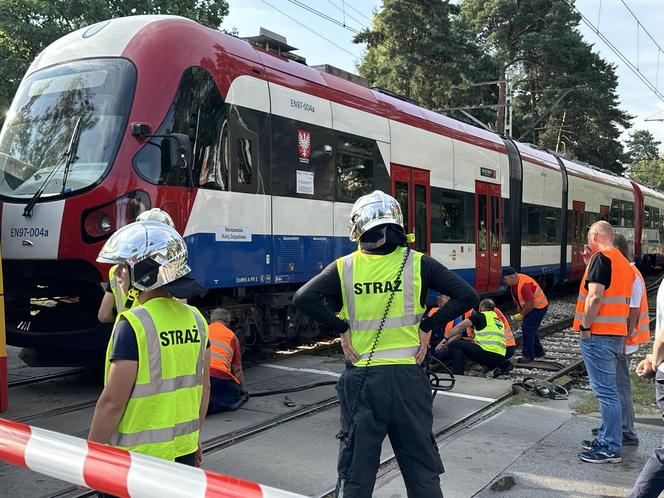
(578, 239)
(488, 229)
(410, 186)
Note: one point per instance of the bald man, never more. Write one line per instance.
(601, 319)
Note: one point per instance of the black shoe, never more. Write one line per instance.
(595, 431)
(589, 445)
(600, 455)
(507, 368)
(540, 355)
(630, 441)
(525, 359)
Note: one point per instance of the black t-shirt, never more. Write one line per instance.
(599, 270)
(125, 346)
(478, 319)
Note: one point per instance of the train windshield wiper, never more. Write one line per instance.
(67, 159)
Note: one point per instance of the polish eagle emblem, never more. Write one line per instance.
(304, 145)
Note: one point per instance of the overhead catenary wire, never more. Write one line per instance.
(618, 53)
(309, 29)
(324, 16)
(346, 14)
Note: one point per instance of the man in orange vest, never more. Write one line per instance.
(226, 377)
(638, 325)
(601, 319)
(532, 305)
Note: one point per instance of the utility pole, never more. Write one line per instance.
(508, 105)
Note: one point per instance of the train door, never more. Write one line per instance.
(488, 228)
(578, 238)
(410, 186)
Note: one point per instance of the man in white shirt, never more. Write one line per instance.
(650, 482)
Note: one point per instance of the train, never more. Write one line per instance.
(258, 158)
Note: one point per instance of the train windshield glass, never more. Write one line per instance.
(40, 125)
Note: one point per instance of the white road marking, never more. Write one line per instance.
(467, 396)
(306, 370)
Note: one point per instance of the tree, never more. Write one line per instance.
(648, 172)
(422, 50)
(565, 94)
(642, 146)
(26, 28)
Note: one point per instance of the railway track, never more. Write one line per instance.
(34, 379)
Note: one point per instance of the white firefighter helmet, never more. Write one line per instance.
(154, 252)
(156, 214)
(372, 210)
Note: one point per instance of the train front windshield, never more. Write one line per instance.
(40, 126)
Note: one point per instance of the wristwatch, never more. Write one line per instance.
(584, 329)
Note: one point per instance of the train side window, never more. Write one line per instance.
(551, 225)
(447, 217)
(647, 220)
(244, 162)
(355, 167)
(198, 111)
(615, 213)
(654, 218)
(628, 214)
(532, 226)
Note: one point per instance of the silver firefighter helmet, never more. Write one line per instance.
(372, 210)
(154, 252)
(156, 214)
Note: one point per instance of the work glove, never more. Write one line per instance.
(518, 317)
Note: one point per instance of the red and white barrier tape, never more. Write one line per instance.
(118, 472)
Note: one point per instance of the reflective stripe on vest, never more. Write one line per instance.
(491, 338)
(613, 312)
(221, 349)
(367, 281)
(539, 299)
(509, 335)
(161, 418)
(641, 332)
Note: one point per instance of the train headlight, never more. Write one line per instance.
(100, 222)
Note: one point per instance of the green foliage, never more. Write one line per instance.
(564, 94)
(29, 26)
(642, 146)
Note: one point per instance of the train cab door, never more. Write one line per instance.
(488, 229)
(578, 239)
(411, 187)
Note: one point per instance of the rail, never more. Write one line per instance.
(115, 471)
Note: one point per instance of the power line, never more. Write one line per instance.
(346, 14)
(618, 53)
(324, 16)
(358, 12)
(309, 29)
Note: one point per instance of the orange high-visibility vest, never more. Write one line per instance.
(509, 335)
(612, 316)
(641, 332)
(449, 325)
(221, 349)
(539, 297)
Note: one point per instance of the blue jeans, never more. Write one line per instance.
(600, 355)
(532, 346)
(225, 396)
(625, 394)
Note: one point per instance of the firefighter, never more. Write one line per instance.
(532, 305)
(382, 289)
(116, 297)
(157, 368)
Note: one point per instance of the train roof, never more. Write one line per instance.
(537, 156)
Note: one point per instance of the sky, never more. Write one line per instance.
(322, 41)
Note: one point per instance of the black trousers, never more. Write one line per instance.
(395, 402)
(460, 350)
(650, 482)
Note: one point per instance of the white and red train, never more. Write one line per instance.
(279, 151)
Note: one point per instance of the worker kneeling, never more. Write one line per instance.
(157, 367)
(488, 346)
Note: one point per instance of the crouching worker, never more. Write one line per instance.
(157, 370)
(488, 345)
(226, 377)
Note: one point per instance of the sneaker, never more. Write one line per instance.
(507, 368)
(630, 441)
(600, 455)
(589, 445)
(525, 359)
(595, 431)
